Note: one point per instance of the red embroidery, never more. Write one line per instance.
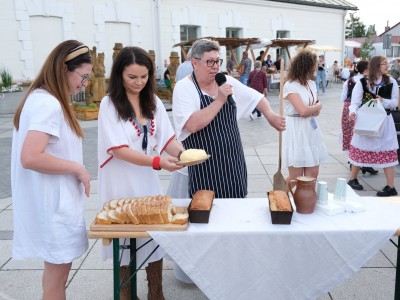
(152, 126)
(111, 156)
(376, 158)
(166, 144)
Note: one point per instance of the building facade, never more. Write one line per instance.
(31, 28)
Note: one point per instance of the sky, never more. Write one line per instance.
(377, 12)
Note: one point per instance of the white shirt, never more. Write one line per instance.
(345, 73)
(358, 92)
(186, 101)
(49, 221)
(184, 70)
(121, 179)
(356, 78)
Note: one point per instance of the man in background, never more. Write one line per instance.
(245, 68)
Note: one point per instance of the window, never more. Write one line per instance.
(233, 33)
(281, 34)
(188, 33)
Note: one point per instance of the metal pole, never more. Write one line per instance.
(397, 284)
(116, 268)
(133, 269)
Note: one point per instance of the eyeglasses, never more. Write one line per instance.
(210, 62)
(85, 77)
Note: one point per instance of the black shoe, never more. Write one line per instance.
(370, 170)
(355, 185)
(387, 191)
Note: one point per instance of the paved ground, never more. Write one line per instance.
(91, 279)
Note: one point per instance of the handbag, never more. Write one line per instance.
(370, 119)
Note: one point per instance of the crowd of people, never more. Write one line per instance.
(134, 131)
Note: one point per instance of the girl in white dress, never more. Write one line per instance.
(48, 179)
(134, 130)
(303, 148)
(379, 152)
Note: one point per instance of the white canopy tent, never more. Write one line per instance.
(352, 44)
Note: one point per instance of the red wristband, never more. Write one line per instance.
(156, 163)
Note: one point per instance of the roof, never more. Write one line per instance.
(283, 43)
(335, 4)
(230, 43)
(382, 34)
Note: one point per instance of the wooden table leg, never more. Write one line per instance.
(116, 268)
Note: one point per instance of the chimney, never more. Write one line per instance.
(387, 27)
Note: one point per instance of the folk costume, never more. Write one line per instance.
(121, 179)
(371, 151)
(347, 125)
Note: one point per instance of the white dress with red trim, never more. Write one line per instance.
(369, 151)
(121, 179)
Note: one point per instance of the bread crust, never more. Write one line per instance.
(279, 201)
(202, 200)
(141, 210)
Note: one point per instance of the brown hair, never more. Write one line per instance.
(374, 65)
(116, 90)
(302, 67)
(53, 78)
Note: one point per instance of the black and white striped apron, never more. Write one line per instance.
(225, 171)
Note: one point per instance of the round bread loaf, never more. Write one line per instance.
(190, 155)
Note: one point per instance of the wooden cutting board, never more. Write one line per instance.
(140, 227)
(137, 228)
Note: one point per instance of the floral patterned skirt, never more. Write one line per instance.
(347, 126)
(375, 151)
(381, 159)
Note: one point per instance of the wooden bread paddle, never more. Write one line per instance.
(279, 182)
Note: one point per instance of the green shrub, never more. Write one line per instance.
(6, 77)
(91, 105)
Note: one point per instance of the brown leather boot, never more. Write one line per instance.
(124, 274)
(154, 280)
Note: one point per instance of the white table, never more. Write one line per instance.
(239, 254)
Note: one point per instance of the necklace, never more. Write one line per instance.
(145, 129)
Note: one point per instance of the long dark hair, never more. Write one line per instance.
(53, 78)
(117, 91)
(374, 66)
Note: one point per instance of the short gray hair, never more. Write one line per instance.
(257, 64)
(203, 45)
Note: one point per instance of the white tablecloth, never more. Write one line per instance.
(239, 254)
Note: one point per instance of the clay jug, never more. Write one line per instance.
(305, 196)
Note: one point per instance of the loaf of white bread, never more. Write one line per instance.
(202, 200)
(279, 201)
(141, 210)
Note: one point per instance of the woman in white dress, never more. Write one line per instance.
(379, 152)
(134, 130)
(48, 179)
(303, 148)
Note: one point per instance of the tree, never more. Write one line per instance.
(367, 47)
(354, 27)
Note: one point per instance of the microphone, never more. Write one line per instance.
(220, 78)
